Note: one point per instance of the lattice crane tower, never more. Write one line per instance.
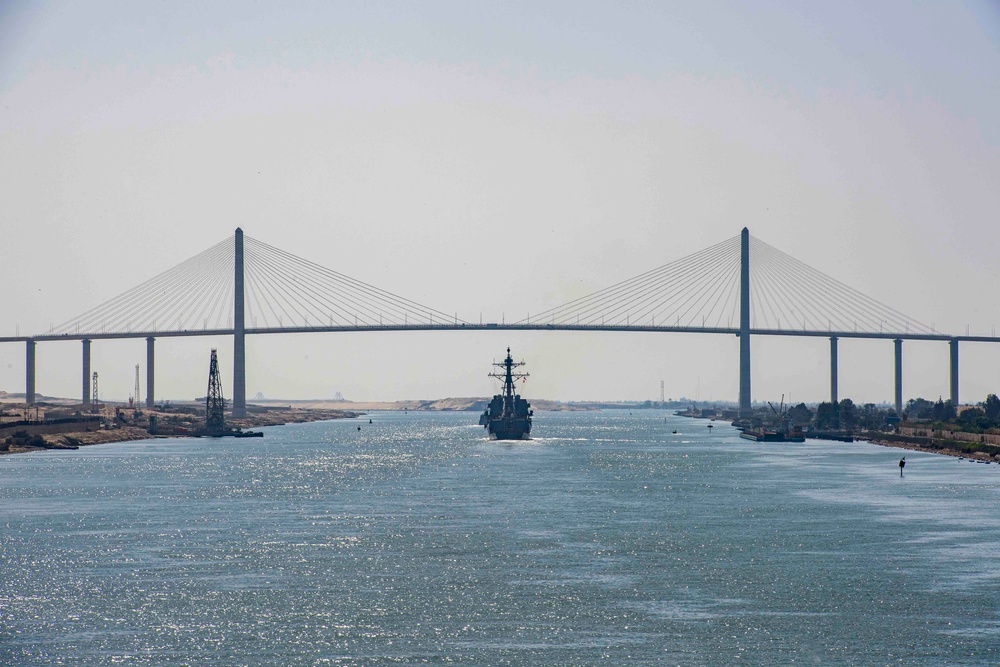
(215, 404)
(96, 402)
(137, 400)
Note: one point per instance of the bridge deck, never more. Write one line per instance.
(497, 326)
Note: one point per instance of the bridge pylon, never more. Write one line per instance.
(953, 345)
(746, 403)
(29, 372)
(150, 372)
(898, 393)
(239, 335)
(86, 373)
(834, 393)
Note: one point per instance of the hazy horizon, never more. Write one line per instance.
(499, 160)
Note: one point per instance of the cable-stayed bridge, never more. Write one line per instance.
(242, 286)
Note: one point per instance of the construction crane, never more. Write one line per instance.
(95, 405)
(215, 404)
(138, 402)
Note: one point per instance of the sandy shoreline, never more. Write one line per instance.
(179, 420)
(129, 433)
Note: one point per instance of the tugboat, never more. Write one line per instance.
(508, 416)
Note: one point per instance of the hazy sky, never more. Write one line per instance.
(502, 158)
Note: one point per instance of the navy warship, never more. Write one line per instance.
(508, 416)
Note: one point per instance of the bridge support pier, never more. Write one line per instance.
(150, 366)
(239, 336)
(746, 403)
(85, 395)
(953, 344)
(898, 344)
(833, 370)
(29, 372)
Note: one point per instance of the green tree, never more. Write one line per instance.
(826, 415)
(943, 411)
(991, 409)
(871, 417)
(848, 414)
(919, 408)
(800, 415)
(973, 418)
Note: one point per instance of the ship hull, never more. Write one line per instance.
(509, 429)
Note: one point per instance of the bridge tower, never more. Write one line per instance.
(86, 372)
(746, 404)
(150, 367)
(29, 372)
(953, 344)
(239, 336)
(834, 397)
(898, 347)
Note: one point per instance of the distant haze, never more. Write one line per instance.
(497, 160)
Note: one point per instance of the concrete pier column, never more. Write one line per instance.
(953, 344)
(86, 372)
(746, 403)
(29, 372)
(899, 376)
(150, 373)
(833, 370)
(239, 336)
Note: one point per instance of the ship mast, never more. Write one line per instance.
(508, 377)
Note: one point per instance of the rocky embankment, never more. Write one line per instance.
(967, 450)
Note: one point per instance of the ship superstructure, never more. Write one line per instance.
(508, 416)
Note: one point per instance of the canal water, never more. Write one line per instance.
(608, 539)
